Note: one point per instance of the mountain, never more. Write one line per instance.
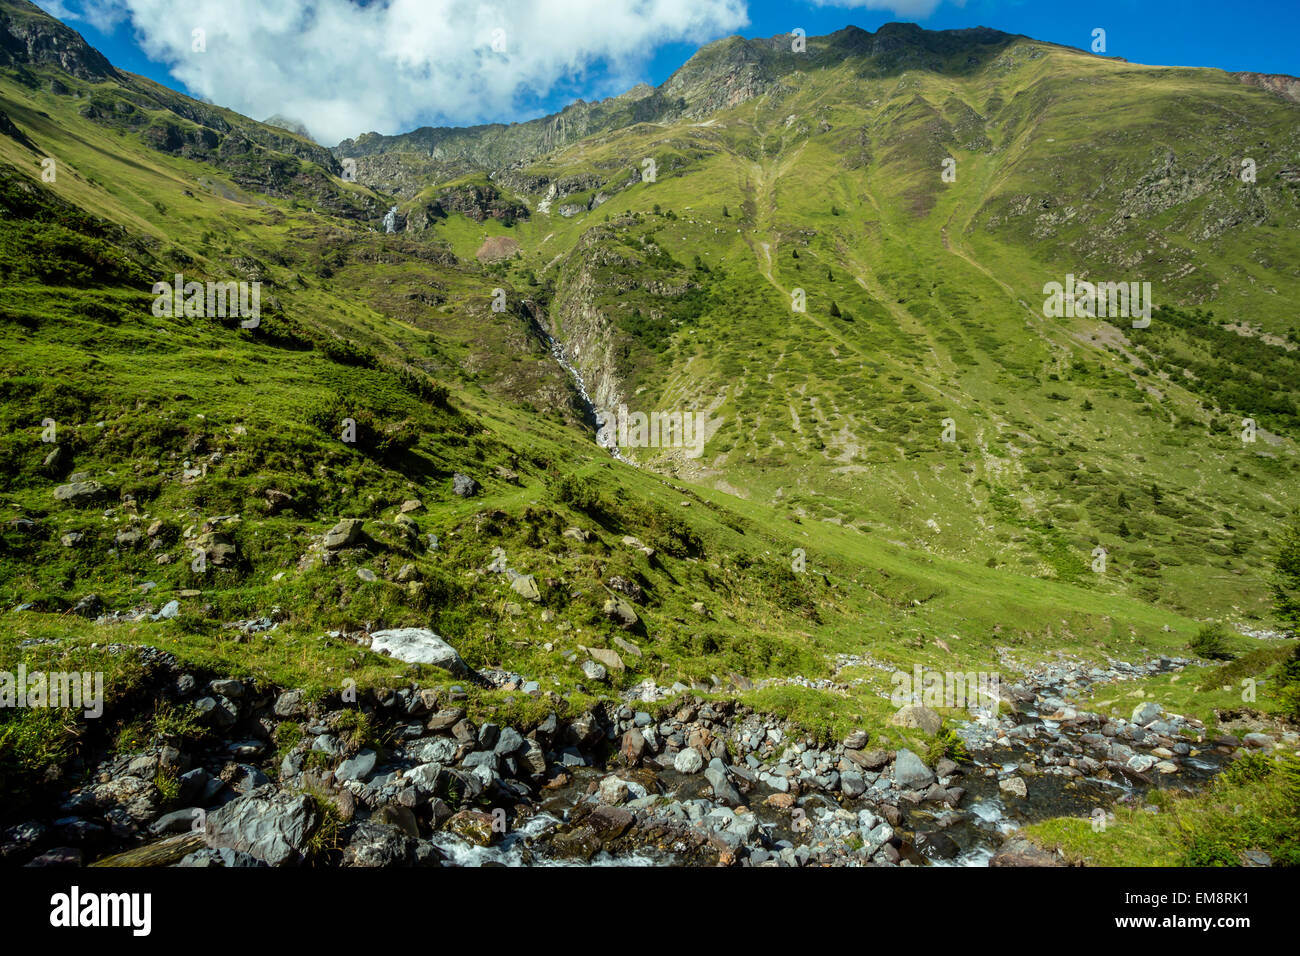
(836, 262)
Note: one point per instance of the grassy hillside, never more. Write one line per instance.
(922, 305)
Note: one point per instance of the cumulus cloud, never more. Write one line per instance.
(342, 68)
(904, 8)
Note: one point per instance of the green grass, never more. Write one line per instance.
(1070, 435)
(1251, 806)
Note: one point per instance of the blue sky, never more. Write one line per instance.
(1262, 37)
(344, 66)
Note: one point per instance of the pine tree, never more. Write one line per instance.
(1285, 582)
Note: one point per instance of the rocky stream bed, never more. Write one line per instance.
(686, 781)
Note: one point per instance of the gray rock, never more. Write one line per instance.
(852, 784)
(290, 703)
(379, 845)
(936, 845)
(856, 740)
(688, 761)
(608, 658)
(227, 688)
(525, 585)
(619, 611)
(593, 670)
(169, 610)
(482, 758)
(221, 857)
(345, 534)
(508, 742)
(178, 821)
(464, 485)
(273, 827)
(919, 717)
(1014, 786)
(723, 790)
(910, 772)
(359, 767)
(1145, 713)
(419, 645)
(612, 791)
(533, 758)
(216, 712)
(1018, 851)
(80, 491)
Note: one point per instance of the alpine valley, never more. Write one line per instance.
(637, 484)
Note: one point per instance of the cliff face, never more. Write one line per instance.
(589, 337)
(1287, 87)
(28, 36)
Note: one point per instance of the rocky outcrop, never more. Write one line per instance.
(1280, 84)
(30, 38)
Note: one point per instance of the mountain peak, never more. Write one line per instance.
(31, 37)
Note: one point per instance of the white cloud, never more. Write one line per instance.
(102, 16)
(344, 69)
(904, 8)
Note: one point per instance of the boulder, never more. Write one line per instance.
(359, 767)
(1014, 786)
(345, 534)
(272, 826)
(1018, 851)
(919, 717)
(910, 772)
(724, 791)
(79, 492)
(378, 845)
(1145, 713)
(473, 826)
(936, 845)
(688, 761)
(419, 645)
(856, 740)
(607, 657)
(852, 785)
(525, 585)
(869, 759)
(618, 610)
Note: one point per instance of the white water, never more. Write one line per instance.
(510, 851)
(607, 441)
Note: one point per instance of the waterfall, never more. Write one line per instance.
(607, 441)
(390, 220)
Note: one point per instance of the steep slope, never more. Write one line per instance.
(827, 534)
(925, 297)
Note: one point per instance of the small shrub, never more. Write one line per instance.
(1210, 643)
